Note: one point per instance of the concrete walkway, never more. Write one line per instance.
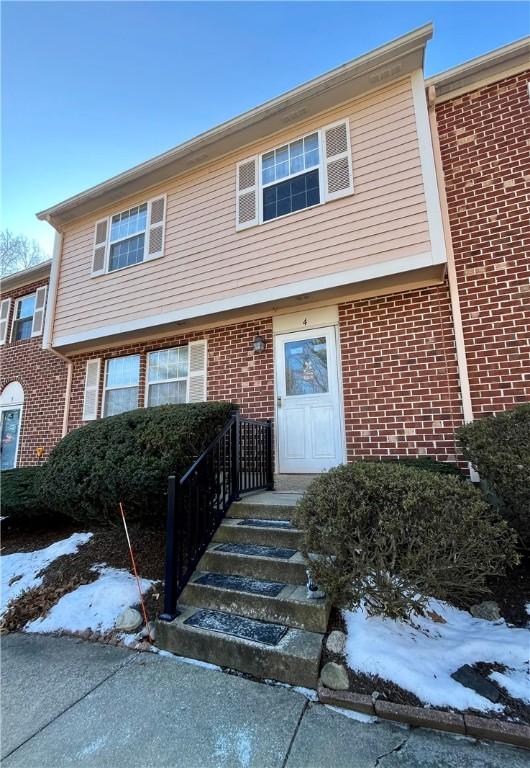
(70, 703)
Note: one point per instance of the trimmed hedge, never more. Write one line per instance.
(499, 449)
(22, 501)
(128, 458)
(393, 536)
(428, 464)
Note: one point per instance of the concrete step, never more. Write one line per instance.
(274, 602)
(236, 531)
(294, 659)
(266, 505)
(261, 564)
(292, 483)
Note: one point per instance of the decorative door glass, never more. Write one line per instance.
(9, 437)
(306, 367)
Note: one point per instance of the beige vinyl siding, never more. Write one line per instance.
(205, 259)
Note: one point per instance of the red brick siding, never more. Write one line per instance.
(401, 394)
(43, 378)
(485, 149)
(234, 371)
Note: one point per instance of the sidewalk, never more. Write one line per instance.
(71, 703)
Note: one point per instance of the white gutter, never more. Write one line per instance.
(49, 322)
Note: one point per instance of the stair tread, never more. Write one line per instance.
(240, 583)
(256, 550)
(253, 522)
(256, 631)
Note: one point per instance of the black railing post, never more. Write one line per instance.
(170, 588)
(270, 457)
(236, 458)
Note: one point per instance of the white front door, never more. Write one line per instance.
(308, 413)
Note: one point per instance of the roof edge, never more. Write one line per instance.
(396, 48)
(482, 70)
(26, 276)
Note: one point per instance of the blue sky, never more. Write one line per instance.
(90, 89)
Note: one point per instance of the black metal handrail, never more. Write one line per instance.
(238, 460)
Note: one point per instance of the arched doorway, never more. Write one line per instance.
(11, 404)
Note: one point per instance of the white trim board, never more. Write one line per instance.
(428, 168)
(288, 290)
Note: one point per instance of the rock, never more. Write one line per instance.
(470, 678)
(334, 676)
(488, 610)
(129, 620)
(335, 642)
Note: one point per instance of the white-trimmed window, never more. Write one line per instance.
(122, 380)
(23, 318)
(167, 376)
(312, 169)
(127, 237)
(290, 177)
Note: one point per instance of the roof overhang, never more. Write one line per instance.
(382, 65)
(26, 276)
(476, 73)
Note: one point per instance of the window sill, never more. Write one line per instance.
(129, 266)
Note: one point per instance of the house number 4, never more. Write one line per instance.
(304, 321)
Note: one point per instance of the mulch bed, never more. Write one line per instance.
(512, 593)
(107, 546)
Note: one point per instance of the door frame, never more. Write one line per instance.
(340, 388)
(16, 407)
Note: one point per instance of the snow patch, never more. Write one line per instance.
(516, 682)
(185, 660)
(19, 570)
(361, 717)
(93, 606)
(420, 656)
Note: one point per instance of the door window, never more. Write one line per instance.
(9, 437)
(306, 367)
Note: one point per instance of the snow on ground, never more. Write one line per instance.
(19, 570)
(93, 606)
(420, 656)
(516, 682)
(361, 717)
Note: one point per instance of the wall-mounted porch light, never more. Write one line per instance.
(259, 345)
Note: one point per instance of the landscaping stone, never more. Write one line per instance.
(336, 641)
(470, 678)
(498, 730)
(358, 702)
(420, 717)
(129, 620)
(488, 610)
(335, 677)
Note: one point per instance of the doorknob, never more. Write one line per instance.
(279, 401)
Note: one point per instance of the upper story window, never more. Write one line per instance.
(129, 237)
(313, 169)
(167, 376)
(290, 177)
(23, 318)
(122, 380)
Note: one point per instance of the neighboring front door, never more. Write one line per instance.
(307, 401)
(9, 432)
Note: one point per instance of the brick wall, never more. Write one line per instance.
(43, 378)
(234, 371)
(401, 394)
(485, 145)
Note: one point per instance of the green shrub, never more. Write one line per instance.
(499, 449)
(429, 465)
(128, 458)
(21, 498)
(395, 535)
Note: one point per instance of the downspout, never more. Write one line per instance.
(460, 344)
(48, 325)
